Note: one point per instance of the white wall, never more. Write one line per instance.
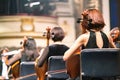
(11, 35)
(106, 15)
(10, 30)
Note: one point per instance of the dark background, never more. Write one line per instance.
(115, 13)
(14, 7)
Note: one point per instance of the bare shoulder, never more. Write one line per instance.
(84, 36)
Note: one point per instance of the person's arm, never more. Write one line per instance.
(112, 44)
(74, 47)
(15, 58)
(43, 55)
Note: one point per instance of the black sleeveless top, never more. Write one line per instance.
(92, 40)
(52, 50)
(57, 50)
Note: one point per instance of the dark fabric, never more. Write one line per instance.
(52, 50)
(42, 59)
(56, 63)
(92, 40)
(0, 67)
(100, 62)
(117, 42)
(57, 50)
(27, 68)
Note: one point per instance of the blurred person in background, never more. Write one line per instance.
(3, 66)
(28, 52)
(115, 34)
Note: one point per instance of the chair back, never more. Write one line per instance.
(100, 62)
(27, 71)
(56, 68)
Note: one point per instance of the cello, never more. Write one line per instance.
(41, 71)
(73, 65)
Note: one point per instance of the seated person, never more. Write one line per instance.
(93, 36)
(28, 52)
(115, 34)
(57, 48)
(3, 66)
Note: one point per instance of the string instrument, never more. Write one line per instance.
(15, 67)
(73, 65)
(41, 71)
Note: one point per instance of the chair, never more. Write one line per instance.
(100, 62)
(56, 68)
(27, 71)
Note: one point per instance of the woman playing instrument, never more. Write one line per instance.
(93, 36)
(55, 49)
(28, 52)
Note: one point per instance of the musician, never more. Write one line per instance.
(28, 52)
(3, 66)
(115, 34)
(55, 49)
(93, 37)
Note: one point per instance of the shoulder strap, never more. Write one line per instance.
(105, 40)
(92, 40)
